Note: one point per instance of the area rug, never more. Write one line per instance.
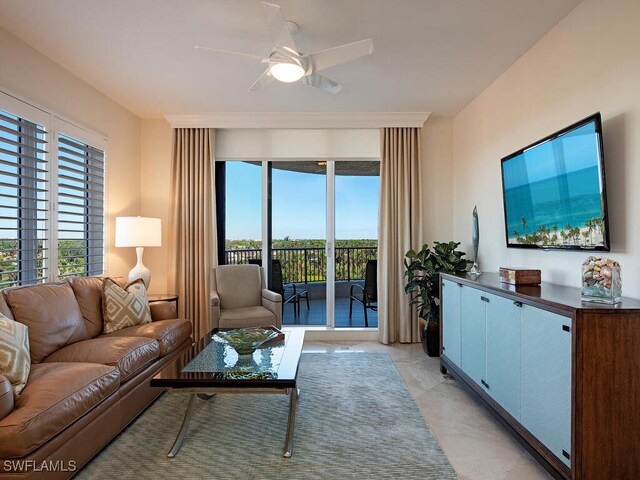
(355, 419)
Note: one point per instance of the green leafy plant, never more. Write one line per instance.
(423, 270)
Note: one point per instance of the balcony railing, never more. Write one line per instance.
(309, 264)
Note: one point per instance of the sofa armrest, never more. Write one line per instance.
(163, 311)
(272, 301)
(6, 397)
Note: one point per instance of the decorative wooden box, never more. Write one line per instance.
(519, 276)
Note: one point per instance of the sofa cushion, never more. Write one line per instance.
(88, 292)
(52, 314)
(128, 354)
(246, 317)
(239, 285)
(56, 395)
(15, 359)
(168, 333)
(124, 307)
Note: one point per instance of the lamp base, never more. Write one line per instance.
(140, 271)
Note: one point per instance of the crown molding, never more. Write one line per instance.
(299, 120)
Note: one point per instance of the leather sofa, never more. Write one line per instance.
(84, 387)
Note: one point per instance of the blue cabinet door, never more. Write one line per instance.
(451, 320)
(473, 333)
(545, 362)
(503, 353)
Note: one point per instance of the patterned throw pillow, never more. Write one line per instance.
(124, 307)
(15, 359)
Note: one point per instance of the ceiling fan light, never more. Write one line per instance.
(287, 72)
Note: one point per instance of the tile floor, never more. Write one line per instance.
(316, 314)
(477, 446)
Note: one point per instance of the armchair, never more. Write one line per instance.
(239, 298)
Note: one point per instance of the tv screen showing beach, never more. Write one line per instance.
(554, 192)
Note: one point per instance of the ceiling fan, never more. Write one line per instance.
(287, 64)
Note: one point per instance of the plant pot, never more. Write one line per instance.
(430, 337)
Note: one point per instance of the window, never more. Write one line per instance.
(51, 197)
(80, 208)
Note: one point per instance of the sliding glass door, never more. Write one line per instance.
(317, 222)
(356, 243)
(298, 238)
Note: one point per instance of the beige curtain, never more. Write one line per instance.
(399, 230)
(193, 223)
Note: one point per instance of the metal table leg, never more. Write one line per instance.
(293, 401)
(183, 429)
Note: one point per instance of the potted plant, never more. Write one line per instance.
(423, 270)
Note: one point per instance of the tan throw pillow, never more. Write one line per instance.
(15, 359)
(126, 307)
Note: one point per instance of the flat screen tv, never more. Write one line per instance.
(554, 191)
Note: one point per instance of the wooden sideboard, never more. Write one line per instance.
(561, 374)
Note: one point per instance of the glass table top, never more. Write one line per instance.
(212, 362)
(223, 361)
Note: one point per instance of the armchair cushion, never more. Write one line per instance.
(239, 286)
(246, 317)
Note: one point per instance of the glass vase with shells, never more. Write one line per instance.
(601, 281)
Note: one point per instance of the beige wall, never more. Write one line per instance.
(437, 180)
(155, 201)
(589, 62)
(27, 73)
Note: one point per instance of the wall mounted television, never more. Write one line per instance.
(554, 191)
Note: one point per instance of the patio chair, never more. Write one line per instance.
(367, 295)
(239, 298)
(290, 292)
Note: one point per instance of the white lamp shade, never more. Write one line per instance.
(138, 232)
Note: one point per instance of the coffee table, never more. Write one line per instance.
(211, 366)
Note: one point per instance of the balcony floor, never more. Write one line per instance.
(317, 314)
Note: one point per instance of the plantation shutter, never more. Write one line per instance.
(80, 226)
(23, 201)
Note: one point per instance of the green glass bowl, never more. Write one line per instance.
(245, 341)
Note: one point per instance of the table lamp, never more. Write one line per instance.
(139, 232)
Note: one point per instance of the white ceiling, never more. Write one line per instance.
(431, 55)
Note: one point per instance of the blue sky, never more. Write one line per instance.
(299, 204)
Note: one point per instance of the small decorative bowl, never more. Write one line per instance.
(245, 341)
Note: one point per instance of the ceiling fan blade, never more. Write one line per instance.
(323, 83)
(337, 55)
(263, 80)
(278, 28)
(229, 52)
